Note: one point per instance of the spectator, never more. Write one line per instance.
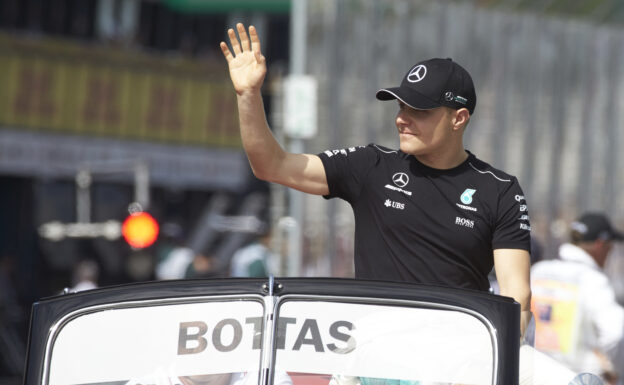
(86, 275)
(173, 256)
(578, 320)
(203, 266)
(255, 259)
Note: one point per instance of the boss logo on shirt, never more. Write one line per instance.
(464, 222)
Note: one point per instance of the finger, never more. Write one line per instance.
(243, 36)
(259, 57)
(255, 40)
(226, 51)
(234, 41)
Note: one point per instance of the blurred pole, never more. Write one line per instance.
(558, 120)
(531, 79)
(83, 195)
(586, 145)
(613, 155)
(117, 20)
(370, 67)
(334, 97)
(142, 184)
(298, 42)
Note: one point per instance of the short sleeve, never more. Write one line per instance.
(346, 170)
(512, 228)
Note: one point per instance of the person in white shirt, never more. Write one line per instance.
(255, 259)
(577, 318)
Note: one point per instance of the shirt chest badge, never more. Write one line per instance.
(400, 180)
(466, 200)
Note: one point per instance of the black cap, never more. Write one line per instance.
(592, 226)
(434, 83)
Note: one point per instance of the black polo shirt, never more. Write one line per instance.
(419, 224)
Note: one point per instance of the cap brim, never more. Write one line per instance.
(617, 236)
(410, 98)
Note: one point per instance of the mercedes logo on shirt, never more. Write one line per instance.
(400, 179)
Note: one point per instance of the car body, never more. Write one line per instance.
(299, 331)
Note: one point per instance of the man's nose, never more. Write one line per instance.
(400, 118)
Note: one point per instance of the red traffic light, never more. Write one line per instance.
(140, 230)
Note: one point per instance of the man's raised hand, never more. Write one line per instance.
(247, 65)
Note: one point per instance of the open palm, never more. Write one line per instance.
(247, 65)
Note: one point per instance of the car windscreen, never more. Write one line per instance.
(338, 342)
(212, 342)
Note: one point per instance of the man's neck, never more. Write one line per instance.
(443, 161)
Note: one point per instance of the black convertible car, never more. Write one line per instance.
(286, 331)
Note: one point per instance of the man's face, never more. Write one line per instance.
(604, 248)
(423, 132)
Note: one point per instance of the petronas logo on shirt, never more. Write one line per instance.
(466, 196)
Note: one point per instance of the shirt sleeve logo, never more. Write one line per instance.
(466, 197)
(342, 151)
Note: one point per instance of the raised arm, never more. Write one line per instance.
(513, 274)
(266, 156)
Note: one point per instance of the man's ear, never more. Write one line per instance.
(461, 118)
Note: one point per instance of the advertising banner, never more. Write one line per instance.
(52, 86)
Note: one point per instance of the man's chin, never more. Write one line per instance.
(411, 150)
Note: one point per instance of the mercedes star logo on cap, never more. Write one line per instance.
(417, 74)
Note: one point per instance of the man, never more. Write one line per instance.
(430, 212)
(578, 320)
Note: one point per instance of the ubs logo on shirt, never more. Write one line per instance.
(394, 205)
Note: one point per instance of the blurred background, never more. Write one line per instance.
(120, 157)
